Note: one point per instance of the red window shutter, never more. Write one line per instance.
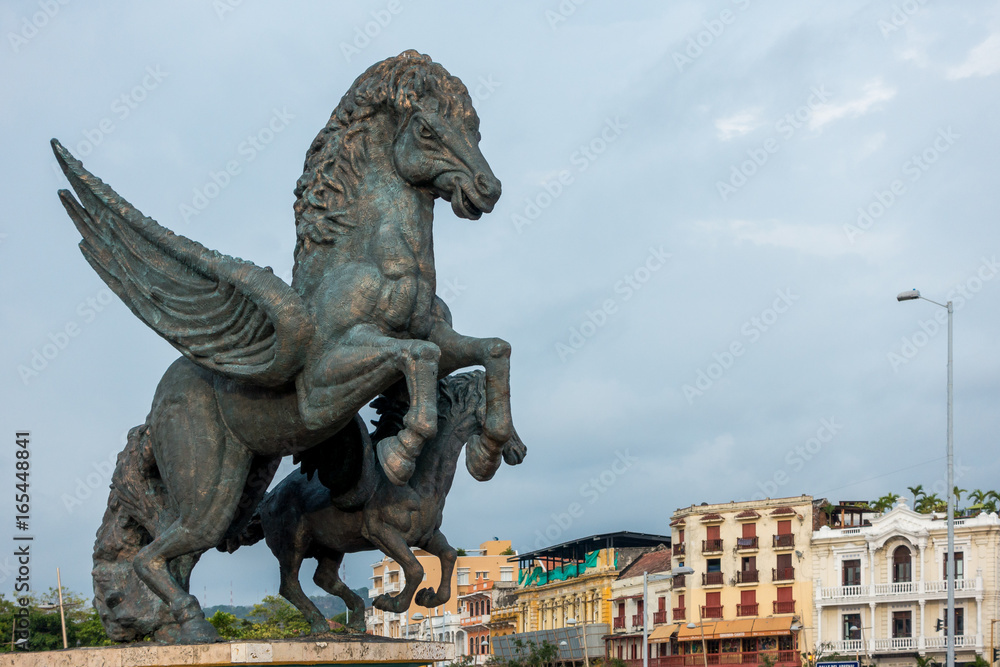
(785, 594)
(621, 609)
(749, 530)
(785, 527)
(713, 532)
(680, 534)
(680, 601)
(713, 599)
(662, 603)
(748, 597)
(784, 561)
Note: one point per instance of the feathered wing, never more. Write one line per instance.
(223, 313)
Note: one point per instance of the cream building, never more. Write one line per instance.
(880, 588)
(751, 591)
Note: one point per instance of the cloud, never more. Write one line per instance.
(874, 92)
(982, 60)
(799, 237)
(738, 124)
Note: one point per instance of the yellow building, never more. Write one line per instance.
(752, 588)
(564, 594)
(489, 562)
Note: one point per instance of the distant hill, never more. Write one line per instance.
(330, 605)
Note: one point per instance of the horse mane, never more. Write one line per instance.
(456, 393)
(336, 159)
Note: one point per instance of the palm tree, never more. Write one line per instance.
(931, 503)
(917, 492)
(884, 503)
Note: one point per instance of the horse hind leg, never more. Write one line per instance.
(329, 580)
(289, 562)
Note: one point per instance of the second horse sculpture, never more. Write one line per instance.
(271, 370)
(298, 520)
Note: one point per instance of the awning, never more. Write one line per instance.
(689, 634)
(765, 627)
(663, 633)
(733, 629)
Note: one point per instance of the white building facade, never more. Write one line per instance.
(880, 588)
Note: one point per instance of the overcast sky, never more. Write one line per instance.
(708, 209)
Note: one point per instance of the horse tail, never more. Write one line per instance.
(251, 534)
(138, 509)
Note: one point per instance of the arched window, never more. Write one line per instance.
(902, 566)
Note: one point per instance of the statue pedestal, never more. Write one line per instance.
(357, 650)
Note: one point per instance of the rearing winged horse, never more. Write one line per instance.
(269, 369)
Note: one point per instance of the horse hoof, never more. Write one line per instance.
(197, 631)
(480, 462)
(319, 628)
(398, 468)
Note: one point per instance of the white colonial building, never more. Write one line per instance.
(880, 587)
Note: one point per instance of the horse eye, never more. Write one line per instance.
(425, 131)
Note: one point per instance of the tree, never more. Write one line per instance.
(884, 503)
(509, 551)
(931, 503)
(274, 618)
(917, 491)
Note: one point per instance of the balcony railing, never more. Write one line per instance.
(747, 577)
(711, 612)
(896, 644)
(961, 641)
(784, 607)
(712, 579)
(902, 589)
(660, 616)
(784, 541)
(747, 609)
(678, 549)
(678, 613)
(392, 587)
(782, 658)
(783, 574)
(636, 620)
(744, 543)
(619, 623)
(680, 581)
(711, 546)
(852, 646)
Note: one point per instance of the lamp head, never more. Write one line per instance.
(909, 295)
(691, 626)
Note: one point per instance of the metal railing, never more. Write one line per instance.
(711, 546)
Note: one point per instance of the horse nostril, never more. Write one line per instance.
(483, 185)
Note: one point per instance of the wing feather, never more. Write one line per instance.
(224, 313)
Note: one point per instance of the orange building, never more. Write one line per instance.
(487, 563)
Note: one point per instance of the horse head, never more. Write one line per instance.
(462, 405)
(434, 131)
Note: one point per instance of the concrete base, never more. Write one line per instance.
(313, 652)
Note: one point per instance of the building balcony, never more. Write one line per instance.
(899, 590)
(784, 541)
(711, 546)
(747, 577)
(636, 620)
(678, 549)
(680, 581)
(782, 574)
(678, 613)
(784, 607)
(712, 579)
(618, 623)
(482, 619)
(747, 609)
(747, 543)
(895, 644)
(902, 644)
(374, 591)
(393, 587)
(659, 617)
(749, 658)
(961, 641)
(711, 612)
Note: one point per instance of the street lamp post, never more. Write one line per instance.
(676, 572)
(950, 563)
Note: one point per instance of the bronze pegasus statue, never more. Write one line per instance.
(270, 370)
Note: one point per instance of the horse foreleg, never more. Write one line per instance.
(438, 546)
(482, 455)
(392, 544)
